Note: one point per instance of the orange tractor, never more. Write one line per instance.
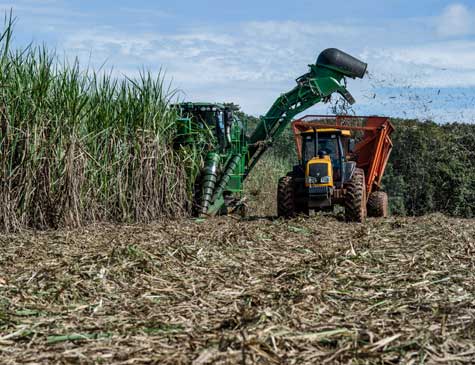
(341, 161)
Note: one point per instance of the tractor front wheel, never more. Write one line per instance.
(285, 197)
(378, 204)
(355, 198)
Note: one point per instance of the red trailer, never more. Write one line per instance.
(341, 161)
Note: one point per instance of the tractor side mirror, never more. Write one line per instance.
(351, 145)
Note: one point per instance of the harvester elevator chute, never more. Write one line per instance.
(230, 155)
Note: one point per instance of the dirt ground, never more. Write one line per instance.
(225, 290)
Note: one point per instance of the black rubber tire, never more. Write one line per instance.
(355, 198)
(286, 198)
(242, 211)
(378, 205)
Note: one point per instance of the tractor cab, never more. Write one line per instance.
(324, 156)
(324, 167)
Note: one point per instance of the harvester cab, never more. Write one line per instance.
(215, 136)
(212, 121)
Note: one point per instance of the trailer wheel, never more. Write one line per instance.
(285, 197)
(378, 204)
(355, 198)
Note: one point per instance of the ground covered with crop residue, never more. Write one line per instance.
(228, 291)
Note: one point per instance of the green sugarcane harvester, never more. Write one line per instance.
(229, 154)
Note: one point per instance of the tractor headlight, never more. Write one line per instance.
(312, 180)
(325, 180)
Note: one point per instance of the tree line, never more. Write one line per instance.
(432, 168)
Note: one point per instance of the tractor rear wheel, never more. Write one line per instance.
(355, 198)
(285, 197)
(378, 204)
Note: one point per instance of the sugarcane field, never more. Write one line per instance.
(268, 183)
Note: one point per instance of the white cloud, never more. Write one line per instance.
(251, 63)
(39, 8)
(145, 12)
(456, 20)
(438, 64)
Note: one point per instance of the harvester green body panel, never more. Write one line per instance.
(228, 156)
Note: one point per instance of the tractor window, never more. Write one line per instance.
(326, 143)
(308, 147)
(329, 145)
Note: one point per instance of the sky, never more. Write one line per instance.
(421, 53)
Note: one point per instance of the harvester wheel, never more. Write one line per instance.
(378, 204)
(285, 197)
(355, 198)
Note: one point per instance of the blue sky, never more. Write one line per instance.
(421, 53)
